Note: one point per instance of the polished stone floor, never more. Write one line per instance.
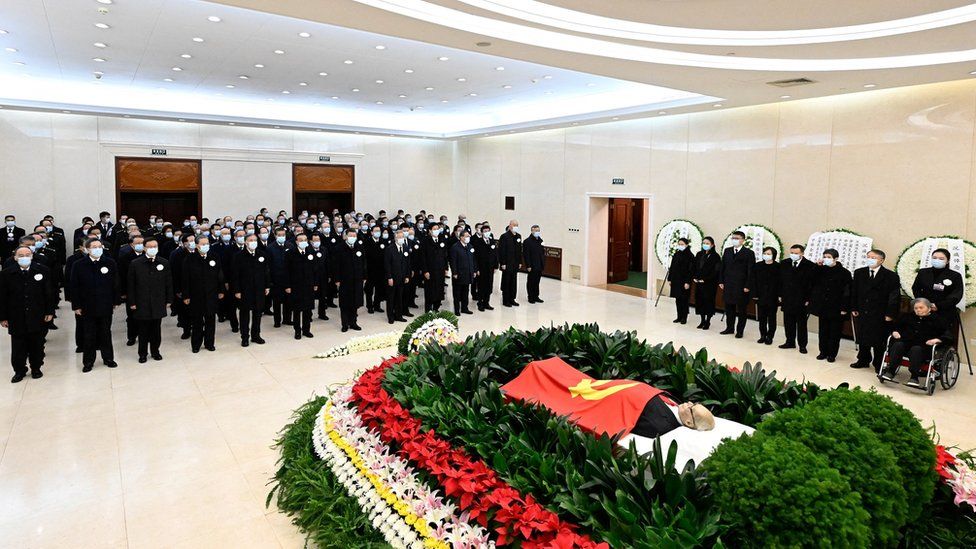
(177, 453)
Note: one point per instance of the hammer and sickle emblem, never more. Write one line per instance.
(590, 389)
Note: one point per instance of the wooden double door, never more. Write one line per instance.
(321, 188)
(169, 188)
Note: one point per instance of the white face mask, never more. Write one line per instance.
(682, 247)
(736, 243)
(767, 257)
(252, 245)
(302, 245)
(151, 252)
(794, 257)
(828, 261)
(399, 241)
(96, 252)
(871, 262)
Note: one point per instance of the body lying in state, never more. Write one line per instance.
(633, 409)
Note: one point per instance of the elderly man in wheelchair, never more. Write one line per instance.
(925, 339)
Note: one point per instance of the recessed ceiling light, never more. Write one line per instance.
(335, 97)
(379, 81)
(408, 71)
(231, 86)
(785, 96)
(323, 74)
(125, 116)
(401, 96)
(98, 73)
(462, 79)
(418, 107)
(381, 47)
(197, 39)
(973, 73)
(499, 68)
(444, 101)
(258, 66)
(243, 77)
(100, 45)
(102, 25)
(3, 31)
(379, 102)
(279, 52)
(177, 69)
(443, 58)
(428, 88)
(318, 129)
(167, 79)
(870, 85)
(355, 89)
(286, 92)
(213, 19)
(303, 83)
(98, 59)
(615, 118)
(106, 2)
(66, 112)
(717, 105)
(507, 86)
(590, 85)
(472, 95)
(547, 77)
(231, 124)
(182, 119)
(348, 61)
(19, 63)
(304, 34)
(186, 56)
(11, 50)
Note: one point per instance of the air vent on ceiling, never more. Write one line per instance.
(791, 82)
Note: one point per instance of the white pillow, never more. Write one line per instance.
(692, 445)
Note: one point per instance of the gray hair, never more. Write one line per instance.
(923, 301)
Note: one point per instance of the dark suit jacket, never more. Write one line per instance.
(877, 297)
(831, 294)
(150, 288)
(9, 240)
(462, 263)
(302, 277)
(485, 254)
(26, 297)
(95, 286)
(350, 269)
(396, 263)
(735, 274)
(251, 276)
(533, 254)
(931, 284)
(796, 283)
(510, 251)
(681, 272)
(202, 280)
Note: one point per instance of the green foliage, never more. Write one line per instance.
(866, 462)
(307, 490)
(780, 493)
(900, 429)
(404, 345)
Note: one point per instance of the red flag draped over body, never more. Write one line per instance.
(600, 406)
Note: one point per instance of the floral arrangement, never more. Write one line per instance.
(851, 246)
(959, 474)
(403, 508)
(362, 344)
(666, 241)
(423, 330)
(914, 257)
(757, 237)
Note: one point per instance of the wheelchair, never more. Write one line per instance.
(942, 368)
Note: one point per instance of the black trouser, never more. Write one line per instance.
(228, 307)
(331, 293)
(532, 287)
(98, 336)
(433, 292)
(303, 320)
(27, 347)
(349, 314)
(410, 293)
(182, 314)
(509, 284)
(374, 290)
(766, 315)
(486, 283)
(795, 326)
(474, 290)
(394, 301)
(872, 336)
(323, 305)
(680, 304)
(150, 336)
(918, 356)
(829, 337)
(131, 326)
(280, 307)
(79, 332)
(250, 323)
(460, 292)
(735, 317)
(204, 325)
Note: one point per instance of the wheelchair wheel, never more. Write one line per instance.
(950, 368)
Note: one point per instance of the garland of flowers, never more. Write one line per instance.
(749, 230)
(910, 261)
(404, 346)
(439, 331)
(477, 488)
(399, 505)
(666, 241)
(361, 344)
(852, 254)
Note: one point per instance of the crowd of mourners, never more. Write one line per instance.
(207, 272)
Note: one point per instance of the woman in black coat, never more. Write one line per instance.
(829, 301)
(707, 267)
(765, 287)
(914, 333)
(681, 273)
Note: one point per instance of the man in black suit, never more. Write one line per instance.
(188, 247)
(875, 299)
(202, 289)
(106, 225)
(135, 250)
(535, 261)
(486, 261)
(252, 283)
(302, 284)
(150, 292)
(11, 237)
(796, 283)
(350, 268)
(463, 273)
(94, 295)
(737, 264)
(509, 259)
(228, 256)
(435, 250)
(396, 265)
(26, 307)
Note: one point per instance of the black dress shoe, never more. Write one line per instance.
(307, 334)
(286, 322)
(79, 350)
(761, 340)
(345, 329)
(769, 341)
(821, 356)
(467, 312)
(157, 356)
(37, 374)
(210, 348)
(392, 321)
(480, 308)
(831, 359)
(195, 349)
(489, 307)
(787, 346)
(258, 340)
(143, 360)
(235, 330)
(130, 343)
(803, 350)
(537, 300)
(515, 304)
(185, 335)
(379, 310)
(277, 325)
(17, 378)
(408, 313)
(509, 305)
(323, 317)
(369, 310)
(738, 336)
(87, 368)
(111, 364)
(356, 327)
(727, 332)
(676, 321)
(50, 326)
(859, 365)
(245, 343)
(298, 335)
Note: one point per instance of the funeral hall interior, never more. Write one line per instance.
(487, 273)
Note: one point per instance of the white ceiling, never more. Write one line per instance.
(607, 60)
(448, 91)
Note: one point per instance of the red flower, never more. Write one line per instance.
(734, 370)
(942, 460)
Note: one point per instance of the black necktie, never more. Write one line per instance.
(872, 274)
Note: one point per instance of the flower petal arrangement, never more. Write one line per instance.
(428, 330)
(757, 237)
(425, 450)
(362, 344)
(666, 241)
(914, 257)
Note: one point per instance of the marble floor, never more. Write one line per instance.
(178, 453)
